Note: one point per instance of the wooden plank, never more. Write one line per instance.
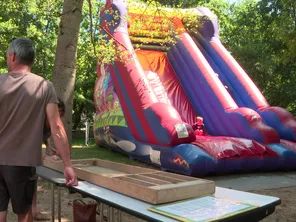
(185, 191)
(177, 185)
(177, 176)
(148, 185)
(102, 171)
(124, 168)
(129, 169)
(157, 176)
(149, 179)
(137, 181)
(85, 162)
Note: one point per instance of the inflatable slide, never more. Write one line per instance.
(240, 86)
(148, 101)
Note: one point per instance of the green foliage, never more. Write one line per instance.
(262, 38)
(37, 20)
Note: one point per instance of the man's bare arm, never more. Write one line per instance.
(58, 133)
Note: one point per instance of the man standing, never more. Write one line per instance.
(26, 100)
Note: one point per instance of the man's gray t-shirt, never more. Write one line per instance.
(23, 100)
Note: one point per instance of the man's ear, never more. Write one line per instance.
(13, 57)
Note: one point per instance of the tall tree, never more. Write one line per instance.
(65, 62)
(88, 52)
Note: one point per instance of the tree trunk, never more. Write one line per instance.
(65, 60)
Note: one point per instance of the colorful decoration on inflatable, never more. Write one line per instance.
(166, 102)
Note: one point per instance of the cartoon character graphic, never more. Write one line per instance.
(198, 126)
(99, 103)
(108, 137)
(116, 105)
(109, 99)
(99, 89)
(104, 90)
(106, 81)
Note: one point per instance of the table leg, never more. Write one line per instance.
(59, 204)
(52, 202)
(101, 212)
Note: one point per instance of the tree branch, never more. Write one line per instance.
(91, 26)
(110, 35)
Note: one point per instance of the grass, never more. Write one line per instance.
(81, 151)
(101, 153)
(78, 142)
(94, 151)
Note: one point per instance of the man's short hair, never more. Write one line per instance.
(24, 50)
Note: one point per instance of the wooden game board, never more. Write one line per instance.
(152, 186)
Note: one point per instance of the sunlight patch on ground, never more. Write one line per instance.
(63, 220)
(80, 147)
(75, 146)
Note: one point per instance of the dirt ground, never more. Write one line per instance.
(44, 204)
(285, 212)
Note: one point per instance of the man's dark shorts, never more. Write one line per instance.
(17, 183)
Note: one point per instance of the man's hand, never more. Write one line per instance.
(70, 175)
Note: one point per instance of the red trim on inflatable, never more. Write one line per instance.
(230, 147)
(289, 144)
(285, 116)
(178, 25)
(107, 6)
(108, 3)
(127, 114)
(158, 62)
(242, 76)
(224, 97)
(139, 98)
(137, 85)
